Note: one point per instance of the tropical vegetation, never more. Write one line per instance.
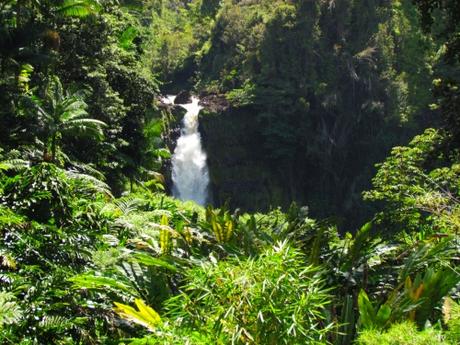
(332, 135)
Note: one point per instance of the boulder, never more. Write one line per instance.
(183, 97)
(214, 103)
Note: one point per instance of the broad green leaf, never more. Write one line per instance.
(87, 281)
(366, 310)
(152, 261)
(144, 316)
(383, 315)
(79, 8)
(127, 38)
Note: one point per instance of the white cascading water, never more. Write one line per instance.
(190, 174)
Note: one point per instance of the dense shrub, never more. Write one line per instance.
(401, 334)
(272, 299)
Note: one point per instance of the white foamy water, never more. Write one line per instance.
(168, 99)
(189, 167)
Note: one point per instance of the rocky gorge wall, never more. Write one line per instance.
(244, 173)
(238, 171)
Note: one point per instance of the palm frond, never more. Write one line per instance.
(36, 104)
(72, 114)
(76, 109)
(73, 102)
(87, 123)
(55, 91)
(84, 126)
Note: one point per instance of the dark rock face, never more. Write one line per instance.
(214, 103)
(174, 127)
(174, 115)
(244, 172)
(183, 97)
(237, 168)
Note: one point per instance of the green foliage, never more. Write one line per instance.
(61, 114)
(96, 282)
(88, 46)
(418, 182)
(321, 89)
(24, 77)
(317, 85)
(272, 299)
(10, 312)
(252, 289)
(44, 216)
(418, 298)
(371, 317)
(127, 38)
(40, 192)
(144, 316)
(79, 8)
(428, 289)
(401, 334)
(243, 96)
(222, 224)
(177, 32)
(44, 192)
(451, 311)
(441, 19)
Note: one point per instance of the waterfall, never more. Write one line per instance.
(190, 174)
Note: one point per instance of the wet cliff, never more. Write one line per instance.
(238, 170)
(244, 172)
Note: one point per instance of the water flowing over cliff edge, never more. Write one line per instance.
(190, 174)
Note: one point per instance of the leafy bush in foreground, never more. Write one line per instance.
(48, 229)
(401, 334)
(272, 299)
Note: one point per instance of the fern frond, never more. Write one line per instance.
(7, 260)
(91, 182)
(54, 322)
(88, 170)
(10, 312)
(128, 204)
(14, 164)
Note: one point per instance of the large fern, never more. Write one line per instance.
(10, 312)
(54, 322)
(61, 114)
(14, 164)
